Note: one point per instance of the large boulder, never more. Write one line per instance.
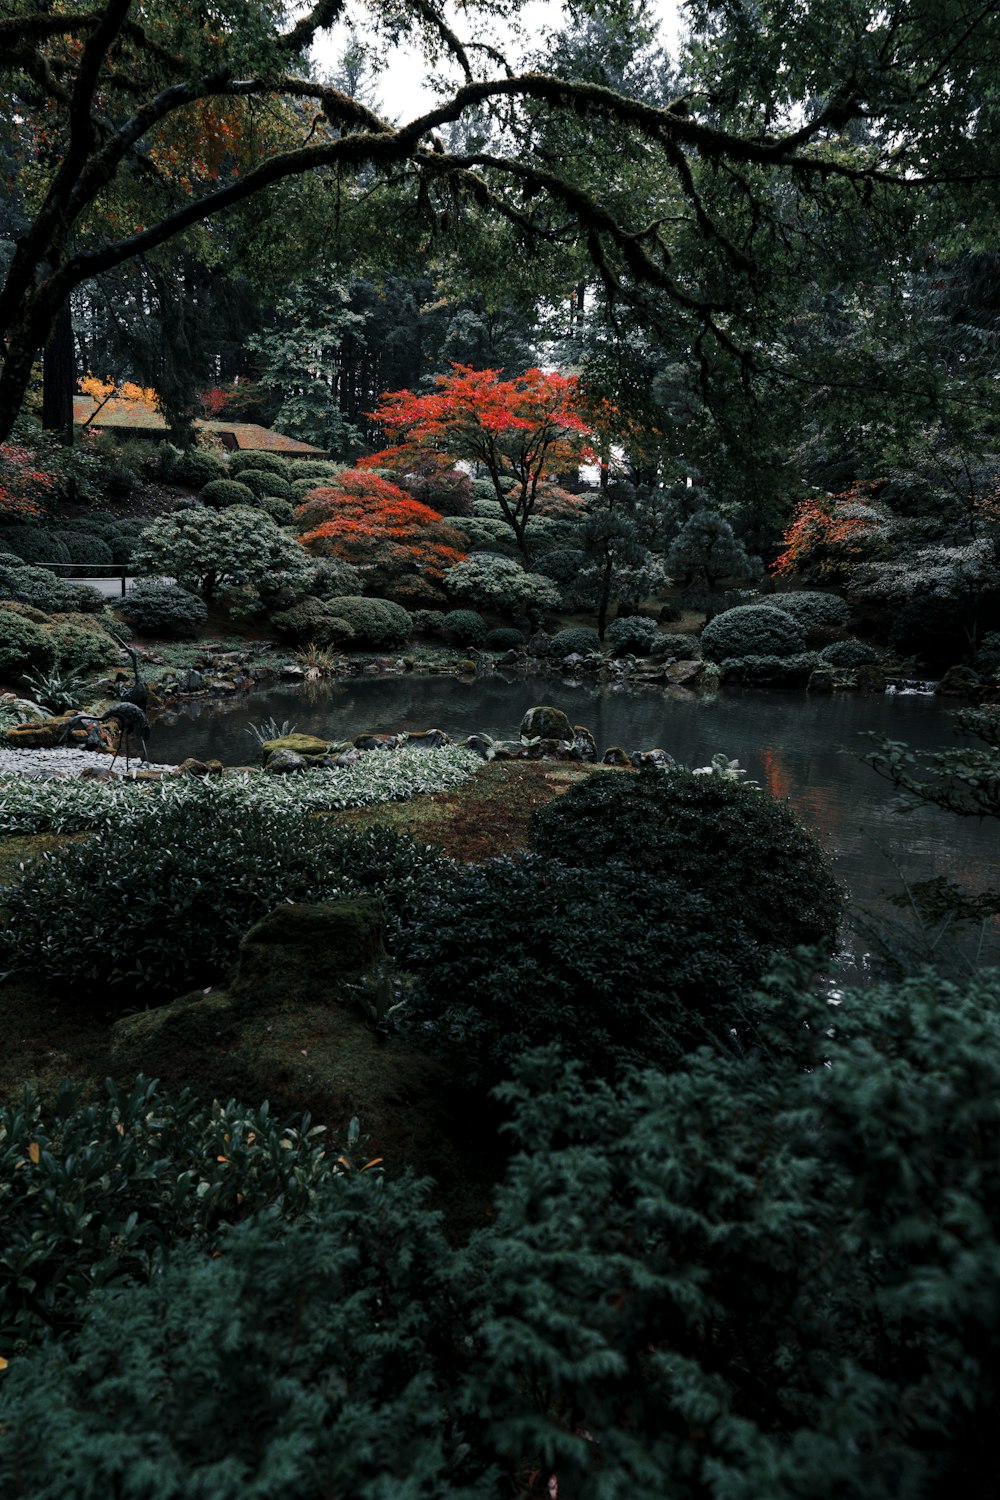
(546, 723)
(306, 951)
(192, 1024)
(299, 744)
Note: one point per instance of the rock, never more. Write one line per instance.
(193, 682)
(538, 644)
(191, 1023)
(285, 760)
(822, 680)
(305, 952)
(379, 741)
(870, 679)
(546, 723)
(291, 673)
(660, 760)
(193, 767)
(95, 773)
(511, 658)
(583, 745)
(348, 758)
(685, 673)
(427, 739)
(958, 682)
(299, 744)
(616, 756)
(482, 744)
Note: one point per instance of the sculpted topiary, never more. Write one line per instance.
(754, 630)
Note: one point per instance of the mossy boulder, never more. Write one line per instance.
(298, 744)
(616, 756)
(546, 723)
(193, 1024)
(64, 729)
(306, 951)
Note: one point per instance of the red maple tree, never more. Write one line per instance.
(528, 429)
(370, 522)
(828, 533)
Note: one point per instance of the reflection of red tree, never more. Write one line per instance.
(811, 803)
(779, 782)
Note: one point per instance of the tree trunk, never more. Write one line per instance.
(605, 598)
(59, 377)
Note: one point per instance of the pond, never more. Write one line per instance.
(801, 747)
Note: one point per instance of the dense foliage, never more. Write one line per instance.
(755, 630)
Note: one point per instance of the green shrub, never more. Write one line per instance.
(118, 1182)
(463, 627)
(264, 482)
(299, 488)
(811, 609)
(633, 635)
(309, 468)
(563, 565)
(331, 576)
(163, 609)
(268, 463)
(932, 628)
(612, 963)
(24, 644)
(503, 638)
(46, 591)
(237, 549)
(677, 648)
(34, 544)
(196, 469)
(222, 492)
(733, 844)
(376, 623)
(849, 654)
(753, 630)
(189, 878)
(987, 658)
(280, 511)
(575, 640)
(489, 535)
(85, 548)
(771, 671)
(312, 622)
(81, 645)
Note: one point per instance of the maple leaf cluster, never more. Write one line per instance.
(116, 397)
(24, 483)
(529, 427)
(828, 533)
(370, 522)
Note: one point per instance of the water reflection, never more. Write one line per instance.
(800, 747)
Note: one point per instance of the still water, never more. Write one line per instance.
(800, 747)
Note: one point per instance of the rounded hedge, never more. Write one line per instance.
(196, 468)
(262, 482)
(633, 635)
(677, 648)
(612, 964)
(224, 492)
(574, 641)
(464, 627)
(312, 622)
(737, 846)
(811, 609)
(563, 564)
(849, 654)
(163, 609)
(376, 622)
(263, 462)
(46, 591)
(504, 638)
(772, 671)
(25, 645)
(751, 630)
(34, 544)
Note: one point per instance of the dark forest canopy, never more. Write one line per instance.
(130, 127)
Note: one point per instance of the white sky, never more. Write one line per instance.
(402, 89)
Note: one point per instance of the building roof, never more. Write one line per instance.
(248, 435)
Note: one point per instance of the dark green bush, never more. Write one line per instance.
(223, 492)
(34, 544)
(118, 1182)
(279, 510)
(312, 622)
(265, 482)
(753, 630)
(85, 548)
(563, 565)
(464, 627)
(155, 904)
(744, 852)
(772, 671)
(612, 963)
(932, 628)
(268, 463)
(47, 591)
(332, 578)
(634, 635)
(849, 654)
(503, 638)
(575, 640)
(812, 609)
(80, 645)
(196, 468)
(25, 645)
(308, 468)
(163, 609)
(300, 488)
(987, 658)
(376, 623)
(677, 648)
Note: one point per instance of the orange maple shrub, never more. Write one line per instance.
(370, 522)
(529, 429)
(829, 533)
(25, 484)
(119, 397)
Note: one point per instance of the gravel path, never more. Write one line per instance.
(64, 760)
